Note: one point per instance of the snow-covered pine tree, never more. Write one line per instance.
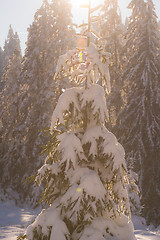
(9, 117)
(112, 32)
(138, 125)
(46, 41)
(11, 43)
(134, 193)
(84, 172)
(133, 30)
(38, 93)
(63, 31)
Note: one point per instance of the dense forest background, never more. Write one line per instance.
(29, 93)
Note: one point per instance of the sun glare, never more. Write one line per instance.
(80, 14)
(77, 3)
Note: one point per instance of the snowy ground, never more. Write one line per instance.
(14, 220)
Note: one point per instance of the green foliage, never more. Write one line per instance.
(22, 237)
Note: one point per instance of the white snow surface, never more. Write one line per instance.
(14, 221)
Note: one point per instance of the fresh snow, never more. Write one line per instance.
(143, 232)
(68, 97)
(14, 221)
(70, 151)
(46, 217)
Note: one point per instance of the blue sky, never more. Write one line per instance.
(20, 14)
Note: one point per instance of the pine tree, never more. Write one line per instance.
(9, 116)
(63, 32)
(134, 30)
(111, 31)
(38, 93)
(138, 125)
(11, 43)
(38, 90)
(46, 38)
(84, 172)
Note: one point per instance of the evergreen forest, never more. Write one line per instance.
(29, 93)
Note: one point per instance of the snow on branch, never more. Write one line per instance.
(71, 148)
(95, 94)
(89, 187)
(48, 222)
(110, 145)
(53, 169)
(90, 65)
(91, 136)
(104, 228)
(79, 98)
(66, 99)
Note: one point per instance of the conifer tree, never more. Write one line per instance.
(11, 43)
(45, 43)
(111, 31)
(138, 125)
(9, 116)
(84, 172)
(38, 92)
(63, 32)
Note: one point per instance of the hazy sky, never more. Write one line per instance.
(20, 14)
